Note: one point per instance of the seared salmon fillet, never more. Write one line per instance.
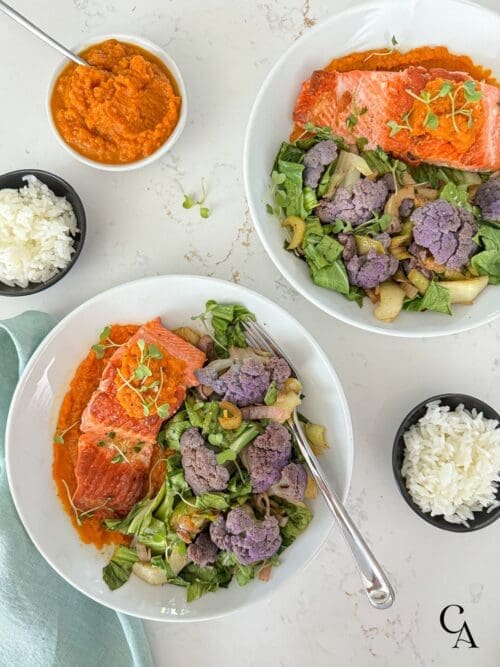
(110, 473)
(105, 413)
(115, 449)
(376, 105)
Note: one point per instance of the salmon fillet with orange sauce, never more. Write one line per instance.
(111, 473)
(116, 445)
(369, 103)
(106, 413)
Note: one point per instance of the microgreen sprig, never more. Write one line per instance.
(141, 373)
(472, 96)
(190, 201)
(376, 225)
(387, 52)
(352, 118)
(397, 127)
(120, 457)
(104, 343)
(431, 120)
(79, 515)
(59, 436)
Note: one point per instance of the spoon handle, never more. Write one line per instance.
(4, 7)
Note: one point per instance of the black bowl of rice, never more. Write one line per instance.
(446, 462)
(42, 230)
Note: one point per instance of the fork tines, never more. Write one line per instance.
(259, 339)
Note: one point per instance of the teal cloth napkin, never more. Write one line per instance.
(43, 620)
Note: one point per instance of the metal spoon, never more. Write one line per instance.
(4, 7)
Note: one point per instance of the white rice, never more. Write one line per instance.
(452, 462)
(36, 233)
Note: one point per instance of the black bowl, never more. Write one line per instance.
(481, 519)
(62, 189)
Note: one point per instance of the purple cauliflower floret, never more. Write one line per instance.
(201, 470)
(406, 207)
(384, 239)
(218, 532)
(316, 159)
(354, 206)
(488, 199)
(202, 551)
(370, 270)
(248, 539)
(446, 231)
(349, 243)
(389, 181)
(265, 457)
(207, 376)
(279, 370)
(245, 383)
(292, 483)
(416, 261)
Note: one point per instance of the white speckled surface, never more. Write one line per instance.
(137, 227)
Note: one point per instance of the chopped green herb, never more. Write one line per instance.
(351, 121)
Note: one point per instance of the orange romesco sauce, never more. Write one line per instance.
(166, 376)
(389, 61)
(442, 107)
(83, 384)
(426, 56)
(121, 109)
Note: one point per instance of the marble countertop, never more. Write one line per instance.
(137, 227)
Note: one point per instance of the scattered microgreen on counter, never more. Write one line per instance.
(190, 201)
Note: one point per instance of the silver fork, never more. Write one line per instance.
(375, 582)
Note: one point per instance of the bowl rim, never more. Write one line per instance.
(305, 288)
(81, 218)
(398, 446)
(174, 70)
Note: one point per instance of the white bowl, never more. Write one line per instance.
(364, 26)
(174, 71)
(42, 388)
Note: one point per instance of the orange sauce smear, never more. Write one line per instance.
(121, 109)
(83, 384)
(425, 56)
